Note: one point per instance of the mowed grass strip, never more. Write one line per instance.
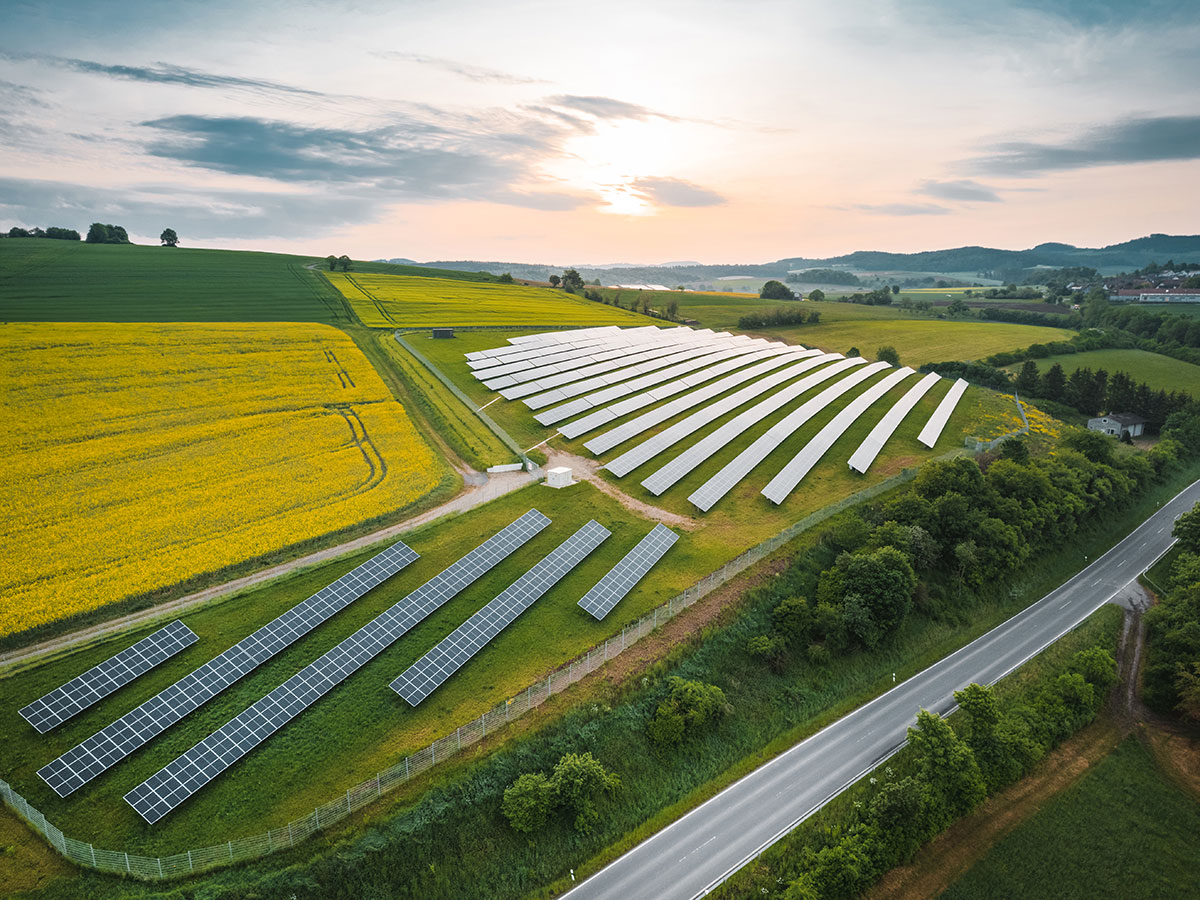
(362, 725)
(1158, 371)
(1123, 832)
(67, 281)
(386, 301)
(143, 456)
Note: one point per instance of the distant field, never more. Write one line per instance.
(1158, 371)
(71, 281)
(919, 341)
(1123, 832)
(141, 456)
(387, 301)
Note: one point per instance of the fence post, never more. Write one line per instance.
(483, 726)
(317, 814)
(92, 847)
(406, 775)
(347, 801)
(127, 869)
(291, 839)
(191, 865)
(378, 787)
(231, 850)
(458, 737)
(160, 871)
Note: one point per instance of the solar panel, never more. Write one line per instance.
(810, 454)
(933, 428)
(525, 355)
(180, 779)
(741, 355)
(650, 448)
(622, 577)
(737, 468)
(113, 743)
(634, 356)
(424, 676)
(861, 459)
(777, 356)
(114, 673)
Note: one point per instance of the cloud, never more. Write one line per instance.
(161, 73)
(964, 190)
(899, 209)
(473, 73)
(676, 192)
(608, 108)
(1134, 140)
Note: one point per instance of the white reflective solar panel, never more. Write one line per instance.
(529, 359)
(530, 341)
(424, 676)
(709, 444)
(113, 743)
(635, 357)
(621, 578)
(740, 466)
(650, 448)
(862, 458)
(114, 673)
(778, 355)
(795, 470)
(743, 354)
(614, 348)
(933, 428)
(182, 777)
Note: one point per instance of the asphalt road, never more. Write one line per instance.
(696, 852)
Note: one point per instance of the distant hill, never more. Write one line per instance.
(1127, 255)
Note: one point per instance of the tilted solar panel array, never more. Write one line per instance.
(114, 673)
(180, 779)
(740, 466)
(703, 449)
(621, 578)
(553, 361)
(763, 361)
(424, 676)
(113, 743)
(933, 428)
(810, 454)
(861, 459)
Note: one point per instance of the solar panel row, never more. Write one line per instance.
(622, 577)
(655, 395)
(54, 708)
(424, 676)
(689, 459)
(742, 354)
(113, 743)
(528, 341)
(736, 469)
(810, 454)
(521, 357)
(933, 428)
(188, 773)
(861, 459)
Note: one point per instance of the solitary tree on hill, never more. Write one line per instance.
(169, 238)
(572, 279)
(555, 281)
(344, 262)
(331, 261)
(776, 290)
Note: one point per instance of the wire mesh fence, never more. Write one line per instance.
(234, 851)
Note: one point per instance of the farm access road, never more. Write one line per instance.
(475, 493)
(693, 854)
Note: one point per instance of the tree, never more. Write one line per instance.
(555, 281)
(672, 308)
(895, 288)
(853, 352)
(578, 782)
(948, 765)
(572, 279)
(169, 238)
(816, 294)
(97, 234)
(888, 354)
(331, 261)
(687, 706)
(528, 802)
(958, 307)
(1054, 383)
(1187, 529)
(344, 263)
(776, 290)
(875, 589)
(506, 278)
(1027, 380)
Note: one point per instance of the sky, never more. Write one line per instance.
(594, 133)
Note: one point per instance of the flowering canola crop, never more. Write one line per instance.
(140, 456)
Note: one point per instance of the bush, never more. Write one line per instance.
(528, 802)
(689, 705)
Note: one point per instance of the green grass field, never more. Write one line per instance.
(1158, 371)
(1122, 832)
(362, 726)
(389, 301)
(69, 281)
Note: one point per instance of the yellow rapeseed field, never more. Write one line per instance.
(140, 456)
(385, 301)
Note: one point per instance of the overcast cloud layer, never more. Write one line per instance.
(633, 131)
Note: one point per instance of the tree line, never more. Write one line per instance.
(53, 232)
(1171, 682)
(779, 317)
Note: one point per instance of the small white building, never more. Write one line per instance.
(1118, 424)
(559, 477)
